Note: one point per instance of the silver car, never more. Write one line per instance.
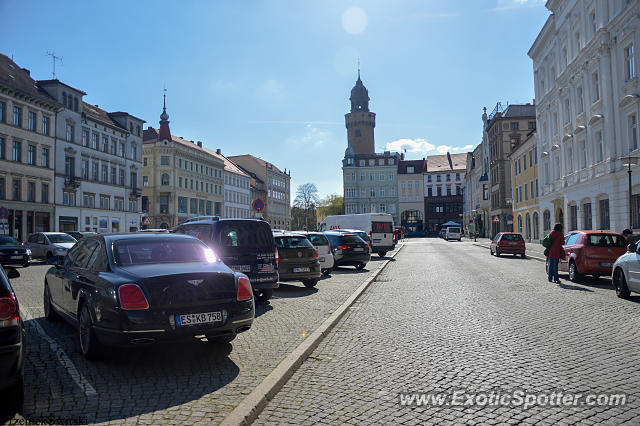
(49, 244)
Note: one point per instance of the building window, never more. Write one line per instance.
(633, 132)
(439, 193)
(515, 125)
(114, 174)
(44, 193)
(595, 86)
(164, 160)
(580, 99)
(118, 203)
(105, 144)
(31, 155)
(68, 198)
(144, 161)
(635, 207)
(3, 108)
(145, 181)
(382, 208)
(121, 177)
(94, 141)
(134, 152)
(599, 149)
(573, 218)
(546, 220)
(45, 157)
(88, 200)
(105, 174)
(586, 216)
(2, 149)
(604, 214)
(583, 154)
(105, 200)
(94, 171)
(145, 204)
(85, 169)
(182, 205)
(410, 169)
(85, 137)
(32, 121)
(69, 133)
(630, 62)
(31, 191)
(121, 151)
(17, 116)
(45, 125)
(17, 190)
(17, 151)
(164, 180)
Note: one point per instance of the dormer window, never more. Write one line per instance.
(410, 170)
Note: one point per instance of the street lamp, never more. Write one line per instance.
(630, 160)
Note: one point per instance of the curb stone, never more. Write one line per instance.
(539, 259)
(250, 408)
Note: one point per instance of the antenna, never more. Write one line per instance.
(358, 66)
(54, 58)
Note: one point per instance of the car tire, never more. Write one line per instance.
(49, 311)
(382, 253)
(220, 340)
(310, 283)
(25, 265)
(327, 272)
(524, 256)
(574, 275)
(264, 295)
(360, 266)
(620, 284)
(497, 252)
(491, 251)
(48, 256)
(90, 346)
(515, 255)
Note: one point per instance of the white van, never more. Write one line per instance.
(379, 227)
(453, 233)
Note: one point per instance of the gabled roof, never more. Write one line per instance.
(440, 163)
(98, 114)
(258, 160)
(519, 111)
(419, 166)
(20, 78)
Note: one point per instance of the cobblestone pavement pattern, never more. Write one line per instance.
(448, 316)
(188, 383)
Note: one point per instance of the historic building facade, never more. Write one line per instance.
(505, 127)
(27, 145)
(276, 185)
(98, 161)
(181, 178)
(525, 190)
(443, 195)
(370, 181)
(411, 194)
(588, 108)
(237, 190)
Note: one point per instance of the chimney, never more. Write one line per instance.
(218, 151)
(27, 71)
(199, 144)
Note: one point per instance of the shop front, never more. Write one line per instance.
(19, 219)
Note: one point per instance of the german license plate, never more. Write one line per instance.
(358, 249)
(513, 244)
(194, 319)
(301, 269)
(16, 257)
(606, 264)
(241, 268)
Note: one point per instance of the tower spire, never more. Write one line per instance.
(164, 133)
(358, 68)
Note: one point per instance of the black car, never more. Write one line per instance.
(78, 235)
(298, 259)
(138, 289)
(244, 245)
(13, 252)
(12, 348)
(348, 249)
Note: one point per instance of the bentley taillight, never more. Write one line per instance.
(244, 289)
(132, 298)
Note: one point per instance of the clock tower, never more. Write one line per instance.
(360, 122)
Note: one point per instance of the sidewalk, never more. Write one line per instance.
(533, 250)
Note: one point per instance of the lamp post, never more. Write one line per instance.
(475, 230)
(630, 160)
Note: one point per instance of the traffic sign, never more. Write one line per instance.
(146, 221)
(496, 218)
(4, 212)
(258, 205)
(509, 216)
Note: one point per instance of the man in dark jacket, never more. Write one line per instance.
(630, 237)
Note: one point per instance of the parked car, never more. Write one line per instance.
(453, 233)
(244, 245)
(591, 253)
(508, 243)
(415, 234)
(78, 234)
(626, 272)
(138, 289)
(12, 347)
(378, 226)
(13, 252)
(348, 249)
(49, 244)
(361, 234)
(298, 258)
(442, 232)
(321, 243)
(156, 230)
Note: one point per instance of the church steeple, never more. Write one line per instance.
(164, 133)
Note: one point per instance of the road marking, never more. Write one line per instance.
(66, 362)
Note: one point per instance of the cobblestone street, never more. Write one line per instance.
(447, 316)
(190, 384)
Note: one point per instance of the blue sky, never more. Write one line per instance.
(272, 78)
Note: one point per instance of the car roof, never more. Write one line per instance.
(142, 236)
(288, 234)
(230, 219)
(592, 232)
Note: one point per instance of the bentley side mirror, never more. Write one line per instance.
(631, 248)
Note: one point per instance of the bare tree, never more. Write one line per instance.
(306, 199)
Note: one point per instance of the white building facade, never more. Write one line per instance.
(98, 164)
(237, 190)
(587, 112)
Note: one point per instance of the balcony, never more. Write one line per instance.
(71, 182)
(135, 193)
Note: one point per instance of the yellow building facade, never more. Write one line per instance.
(525, 188)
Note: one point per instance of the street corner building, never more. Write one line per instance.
(443, 195)
(370, 181)
(411, 195)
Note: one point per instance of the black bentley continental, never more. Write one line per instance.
(138, 289)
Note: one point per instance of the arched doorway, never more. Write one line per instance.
(527, 227)
(560, 217)
(411, 220)
(536, 226)
(520, 224)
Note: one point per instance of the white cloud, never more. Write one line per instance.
(503, 5)
(462, 148)
(312, 137)
(443, 149)
(411, 145)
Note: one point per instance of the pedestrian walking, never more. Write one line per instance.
(630, 236)
(556, 252)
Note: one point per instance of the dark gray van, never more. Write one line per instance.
(244, 245)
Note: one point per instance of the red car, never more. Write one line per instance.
(591, 253)
(508, 243)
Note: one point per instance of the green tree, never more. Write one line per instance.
(333, 204)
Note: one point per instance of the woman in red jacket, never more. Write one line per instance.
(556, 252)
